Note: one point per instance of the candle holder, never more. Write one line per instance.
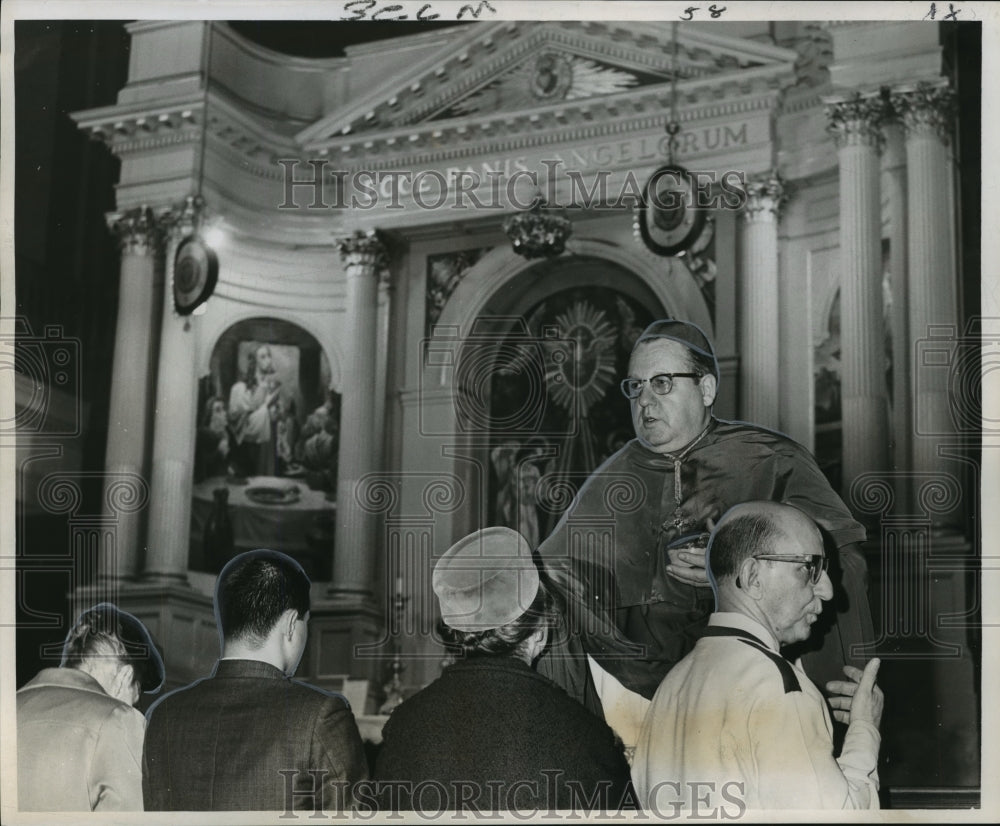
(394, 687)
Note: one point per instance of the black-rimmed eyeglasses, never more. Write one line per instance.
(661, 384)
(815, 564)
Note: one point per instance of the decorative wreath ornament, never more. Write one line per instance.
(196, 271)
(670, 220)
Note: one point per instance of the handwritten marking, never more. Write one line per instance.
(951, 15)
(713, 10)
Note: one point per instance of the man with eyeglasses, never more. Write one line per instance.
(737, 719)
(639, 592)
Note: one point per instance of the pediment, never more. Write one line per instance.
(490, 69)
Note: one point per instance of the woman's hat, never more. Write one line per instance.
(486, 580)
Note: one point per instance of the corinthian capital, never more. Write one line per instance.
(925, 109)
(857, 120)
(139, 231)
(364, 251)
(184, 218)
(766, 195)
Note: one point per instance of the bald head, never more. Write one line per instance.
(764, 559)
(754, 528)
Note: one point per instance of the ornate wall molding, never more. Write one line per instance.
(235, 135)
(815, 54)
(444, 273)
(569, 122)
(477, 142)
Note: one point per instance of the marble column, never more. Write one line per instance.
(173, 433)
(385, 292)
(141, 238)
(759, 345)
(933, 303)
(894, 177)
(364, 257)
(855, 125)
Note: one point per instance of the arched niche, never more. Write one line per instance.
(266, 449)
(493, 300)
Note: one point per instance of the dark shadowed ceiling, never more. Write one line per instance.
(325, 38)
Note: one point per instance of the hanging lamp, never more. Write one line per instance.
(196, 265)
(669, 218)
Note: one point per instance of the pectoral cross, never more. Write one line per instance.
(679, 523)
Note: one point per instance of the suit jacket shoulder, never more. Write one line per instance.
(248, 738)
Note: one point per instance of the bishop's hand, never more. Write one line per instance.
(687, 560)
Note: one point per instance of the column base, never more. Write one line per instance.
(349, 596)
(164, 578)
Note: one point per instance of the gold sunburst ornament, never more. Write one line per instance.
(578, 361)
(580, 364)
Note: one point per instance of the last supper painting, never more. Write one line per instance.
(266, 448)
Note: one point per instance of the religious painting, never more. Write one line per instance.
(266, 449)
(572, 352)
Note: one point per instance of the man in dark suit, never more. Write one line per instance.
(248, 737)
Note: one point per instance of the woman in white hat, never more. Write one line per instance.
(491, 734)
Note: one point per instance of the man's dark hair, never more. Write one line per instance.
(254, 590)
(738, 539)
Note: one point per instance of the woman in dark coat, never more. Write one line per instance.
(491, 734)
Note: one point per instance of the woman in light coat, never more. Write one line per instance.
(79, 737)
